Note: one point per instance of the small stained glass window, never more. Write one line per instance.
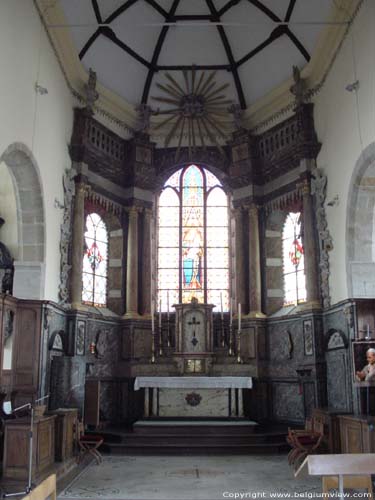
(293, 261)
(95, 262)
(193, 239)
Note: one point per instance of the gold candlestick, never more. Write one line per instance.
(160, 341)
(230, 339)
(239, 360)
(153, 347)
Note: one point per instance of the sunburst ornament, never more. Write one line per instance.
(199, 110)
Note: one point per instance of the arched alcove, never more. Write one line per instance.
(30, 220)
(360, 227)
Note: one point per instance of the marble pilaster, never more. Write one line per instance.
(132, 265)
(255, 285)
(310, 249)
(146, 262)
(78, 231)
(240, 259)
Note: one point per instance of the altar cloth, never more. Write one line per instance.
(194, 382)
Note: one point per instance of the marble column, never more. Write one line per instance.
(255, 285)
(310, 249)
(78, 231)
(146, 262)
(240, 260)
(132, 265)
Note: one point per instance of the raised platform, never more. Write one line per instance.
(190, 437)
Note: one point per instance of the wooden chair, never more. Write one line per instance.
(88, 444)
(304, 442)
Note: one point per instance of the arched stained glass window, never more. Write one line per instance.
(193, 239)
(95, 265)
(293, 261)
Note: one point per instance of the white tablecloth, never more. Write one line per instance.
(194, 382)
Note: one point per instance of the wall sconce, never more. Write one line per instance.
(92, 348)
(352, 87)
(335, 201)
(40, 90)
(57, 204)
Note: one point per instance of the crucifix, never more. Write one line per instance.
(194, 323)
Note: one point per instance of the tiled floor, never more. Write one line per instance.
(187, 478)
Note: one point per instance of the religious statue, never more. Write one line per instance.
(6, 267)
(298, 88)
(144, 113)
(91, 95)
(237, 112)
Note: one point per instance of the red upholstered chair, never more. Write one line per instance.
(304, 442)
(88, 444)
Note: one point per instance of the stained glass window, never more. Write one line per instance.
(94, 275)
(293, 261)
(193, 239)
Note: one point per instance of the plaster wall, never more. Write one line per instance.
(42, 123)
(345, 123)
(8, 211)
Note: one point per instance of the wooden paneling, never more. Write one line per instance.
(355, 434)
(16, 448)
(92, 402)
(26, 358)
(64, 433)
(328, 419)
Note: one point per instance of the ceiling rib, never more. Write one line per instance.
(215, 16)
(228, 6)
(109, 19)
(158, 8)
(228, 50)
(289, 12)
(109, 33)
(95, 6)
(157, 50)
(208, 67)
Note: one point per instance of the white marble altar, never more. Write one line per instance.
(193, 396)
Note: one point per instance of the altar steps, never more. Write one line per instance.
(200, 440)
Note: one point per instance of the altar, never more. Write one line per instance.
(193, 396)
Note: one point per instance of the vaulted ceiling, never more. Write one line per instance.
(253, 44)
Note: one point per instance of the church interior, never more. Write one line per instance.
(187, 247)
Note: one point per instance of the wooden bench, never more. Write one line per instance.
(45, 490)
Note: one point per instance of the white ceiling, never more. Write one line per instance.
(246, 25)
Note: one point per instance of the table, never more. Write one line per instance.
(354, 464)
(193, 396)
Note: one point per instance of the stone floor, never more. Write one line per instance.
(188, 478)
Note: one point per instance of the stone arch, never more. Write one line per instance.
(29, 269)
(360, 233)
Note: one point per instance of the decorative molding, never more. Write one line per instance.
(318, 189)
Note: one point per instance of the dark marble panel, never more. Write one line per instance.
(287, 402)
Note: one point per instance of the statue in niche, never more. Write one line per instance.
(100, 345)
(6, 267)
(91, 95)
(144, 113)
(298, 88)
(237, 112)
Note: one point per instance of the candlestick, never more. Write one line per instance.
(239, 316)
(152, 316)
(239, 360)
(368, 332)
(160, 313)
